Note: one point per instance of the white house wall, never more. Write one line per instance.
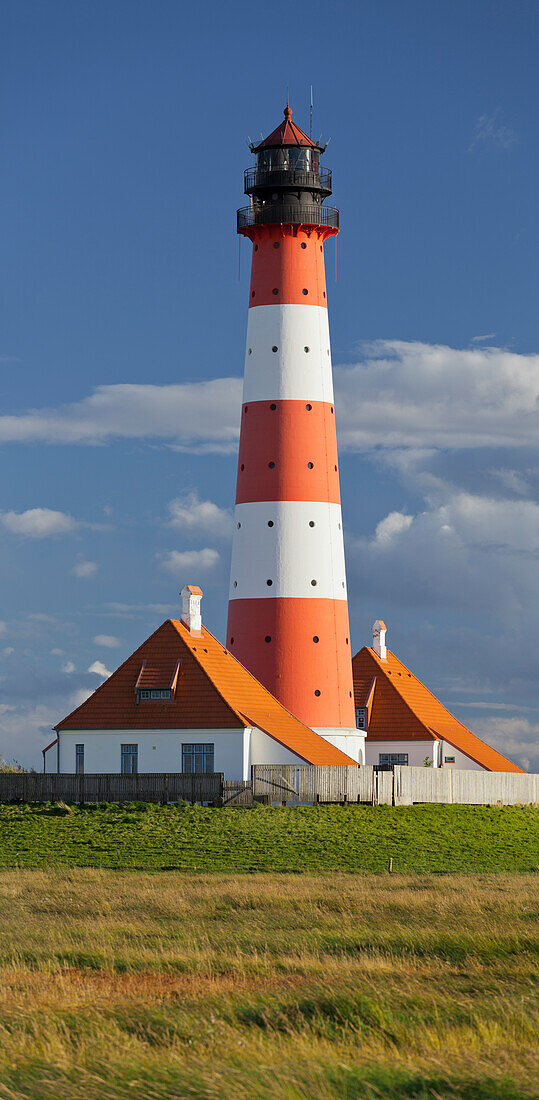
(265, 750)
(418, 751)
(158, 750)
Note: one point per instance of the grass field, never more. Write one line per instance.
(420, 839)
(278, 987)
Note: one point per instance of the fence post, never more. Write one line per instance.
(165, 789)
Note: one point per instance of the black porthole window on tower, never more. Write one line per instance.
(242, 467)
(231, 641)
(311, 523)
(239, 525)
(246, 409)
(276, 290)
(308, 407)
(271, 465)
(275, 348)
(305, 291)
(276, 244)
(314, 583)
(316, 638)
(317, 692)
(269, 582)
(310, 465)
(306, 349)
(270, 523)
(250, 351)
(252, 294)
(273, 407)
(267, 638)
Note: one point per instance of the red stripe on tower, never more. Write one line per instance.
(288, 611)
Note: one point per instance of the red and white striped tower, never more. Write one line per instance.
(288, 611)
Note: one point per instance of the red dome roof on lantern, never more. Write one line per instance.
(287, 133)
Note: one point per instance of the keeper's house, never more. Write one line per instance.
(405, 723)
(183, 703)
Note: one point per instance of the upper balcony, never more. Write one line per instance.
(289, 214)
(293, 178)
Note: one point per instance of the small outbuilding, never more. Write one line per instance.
(405, 723)
(183, 703)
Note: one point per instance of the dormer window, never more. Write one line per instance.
(155, 693)
(157, 681)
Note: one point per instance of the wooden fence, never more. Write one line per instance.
(145, 787)
(289, 784)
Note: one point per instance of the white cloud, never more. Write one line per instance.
(468, 552)
(107, 640)
(58, 652)
(38, 523)
(129, 610)
(189, 415)
(517, 738)
(413, 395)
(190, 514)
(8, 651)
(86, 570)
(68, 667)
(190, 562)
(77, 698)
(393, 524)
(99, 669)
(491, 132)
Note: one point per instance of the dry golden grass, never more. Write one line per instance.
(166, 985)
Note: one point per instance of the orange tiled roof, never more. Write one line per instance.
(403, 709)
(213, 691)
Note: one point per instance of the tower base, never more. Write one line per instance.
(349, 741)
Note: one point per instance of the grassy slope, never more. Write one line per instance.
(354, 838)
(273, 987)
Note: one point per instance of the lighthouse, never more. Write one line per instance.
(288, 610)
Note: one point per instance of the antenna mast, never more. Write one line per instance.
(311, 126)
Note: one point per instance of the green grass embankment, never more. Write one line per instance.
(354, 838)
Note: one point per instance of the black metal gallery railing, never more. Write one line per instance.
(291, 214)
(284, 177)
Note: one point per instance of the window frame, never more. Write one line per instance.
(129, 752)
(79, 759)
(393, 758)
(363, 711)
(205, 751)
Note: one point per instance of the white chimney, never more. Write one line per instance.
(379, 639)
(191, 596)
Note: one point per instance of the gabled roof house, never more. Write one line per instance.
(182, 702)
(405, 723)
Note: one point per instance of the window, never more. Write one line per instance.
(129, 759)
(449, 759)
(197, 758)
(159, 693)
(361, 718)
(79, 759)
(393, 758)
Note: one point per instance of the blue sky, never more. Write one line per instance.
(123, 133)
